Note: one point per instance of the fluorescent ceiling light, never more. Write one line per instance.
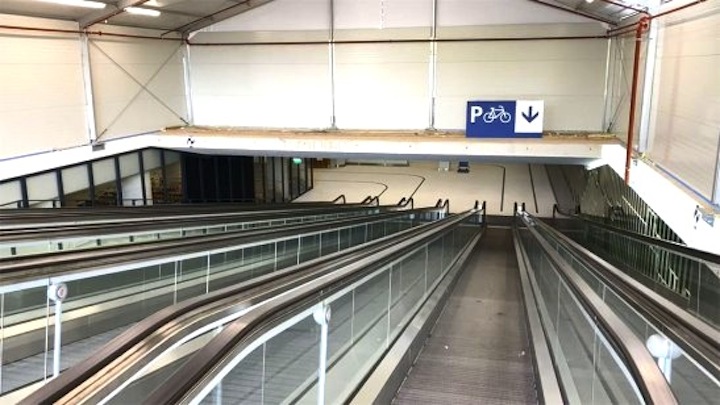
(77, 3)
(142, 11)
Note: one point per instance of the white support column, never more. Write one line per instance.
(88, 86)
(188, 84)
(331, 58)
(648, 85)
(606, 91)
(322, 316)
(432, 68)
(716, 185)
(651, 50)
(57, 293)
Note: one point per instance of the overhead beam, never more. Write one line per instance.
(220, 15)
(108, 12)
(564, 7)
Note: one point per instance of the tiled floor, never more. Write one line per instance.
(426, 184)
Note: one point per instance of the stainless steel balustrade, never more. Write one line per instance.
(693, 373)
(118, 359)
(108, 296)
(686, 276)
(598, 358)
(317, 339)
(285, 351)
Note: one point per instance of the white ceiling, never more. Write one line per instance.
(190, 15)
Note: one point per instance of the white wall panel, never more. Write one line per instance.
(42, 104)
(261, 86)
(387, 85)
(279, 15)
(379, 14)
(120, 68)
(686, 107)
(382, 86)
(500, 12)
(567, 74)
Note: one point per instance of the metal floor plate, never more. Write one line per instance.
(478, 350)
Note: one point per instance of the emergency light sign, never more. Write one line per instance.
(505, 119)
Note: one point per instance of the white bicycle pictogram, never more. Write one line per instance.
(497, 113)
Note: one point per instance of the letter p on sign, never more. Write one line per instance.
(475, 112)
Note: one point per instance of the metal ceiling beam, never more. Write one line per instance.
(220, 15)
(568, 9)
(108, 12)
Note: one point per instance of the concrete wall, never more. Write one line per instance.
(390, 85)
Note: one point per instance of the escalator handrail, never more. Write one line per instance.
(206, 362)
(690, 333)
(674, 247)
(162, 224)
(683, 316)
(80, 373)
(22, 269)
(90, 217)
(653, 386)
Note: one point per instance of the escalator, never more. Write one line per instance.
(112, 288)
(375, 294)
(478, 350)
(431, 316)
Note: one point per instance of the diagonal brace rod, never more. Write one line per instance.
(143, 87)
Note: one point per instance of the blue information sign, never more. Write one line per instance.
(504, 119)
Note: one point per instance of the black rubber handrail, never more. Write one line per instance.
(674, 247)
(371, 200)
(694, 336)
(653, 386)
(82, 230)
(273, 283)
(404, 202)
(17, 269)
(444, 204)
(107, 218)
(242, 332)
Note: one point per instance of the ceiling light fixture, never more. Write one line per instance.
(142, 11)
(77, 3)
(589, 1)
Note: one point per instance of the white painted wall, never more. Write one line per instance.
(686, 102)
(259, 86)
(389, 86)
(382, 86)
(138, 84)
(567, 74)
(42, 103)
(674, 204)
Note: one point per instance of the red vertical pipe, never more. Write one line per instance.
(642, 25)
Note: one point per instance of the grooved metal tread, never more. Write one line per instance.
(478, 350)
